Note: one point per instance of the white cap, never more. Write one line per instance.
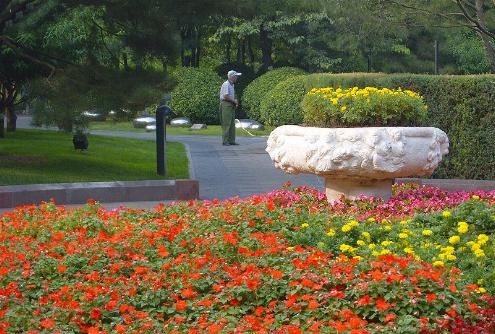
(233, 73)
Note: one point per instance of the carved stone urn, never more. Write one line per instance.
(358, 161)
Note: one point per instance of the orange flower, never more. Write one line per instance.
(181, 305)
(431, 297)
(61, 268)
(382, 305)
(48, 323)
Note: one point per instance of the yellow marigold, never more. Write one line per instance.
(387, 243)
(454, 239)
(366, 235)
(304, 225)
(371, 246)
(446, 214)
(462, 227)
(371, 220)
(344, 248)
(427, 232)
(360, 242)
(346, 228)
(481, 290)
(408, 250)
(482, 239)
(290, 248)
(385, 252)
(403, 235)
(479, 253)
(331, 232)
(354, 223)
(476, 197)
(387, 227)
(438, 264)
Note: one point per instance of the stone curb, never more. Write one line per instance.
(118, 191)
(451, 184)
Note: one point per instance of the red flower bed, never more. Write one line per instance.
(209, 267)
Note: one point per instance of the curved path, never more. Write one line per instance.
(224, 171)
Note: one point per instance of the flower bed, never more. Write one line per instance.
(284, 262)
(369, 106)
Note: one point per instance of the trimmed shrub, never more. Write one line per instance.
(196, 94)
(462, 106)
(260, 87)
(370, 106)
(282, 104)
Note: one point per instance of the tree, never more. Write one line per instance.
(476, 15)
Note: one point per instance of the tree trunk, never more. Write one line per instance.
(197, 46)
(250, 52)
(488, 42)
(241, 51)
(228, 49)
(11, 118)
(2, 124)
(266, 48)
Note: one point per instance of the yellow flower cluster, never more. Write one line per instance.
(335, 95)
(462, 227)
(476, 245)
(349, 226)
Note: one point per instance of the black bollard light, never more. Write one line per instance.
(161, 132)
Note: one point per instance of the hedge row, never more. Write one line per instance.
(257, 90)
(462, 106)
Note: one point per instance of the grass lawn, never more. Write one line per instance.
(37, 156)
(212, 130)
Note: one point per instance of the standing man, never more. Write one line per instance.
(228, 103)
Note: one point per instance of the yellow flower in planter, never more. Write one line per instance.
(438, 264)
(446, 214)
(304, 225)
(427, 232)
(331, 232)
(454, 239)
(462, 227)
(482, 239)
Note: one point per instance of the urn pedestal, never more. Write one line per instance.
(358, 161)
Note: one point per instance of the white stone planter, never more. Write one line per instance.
(358, 161)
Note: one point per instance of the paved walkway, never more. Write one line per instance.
(224, 171)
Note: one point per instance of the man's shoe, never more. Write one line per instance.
(234, 144)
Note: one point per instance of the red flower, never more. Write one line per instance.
(95, 313)
(365, 300)
(389, 317)
(181, 305)
(61, 268)
(162, 251)
(48, 323)
(382, 305)
(187, 293)
(431, 297)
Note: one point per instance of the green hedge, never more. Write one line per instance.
(197, 94)
(462, 106)
(279, 107)
(256, 91)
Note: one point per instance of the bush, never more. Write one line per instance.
(196, 95)
(462, 106)
(370, 106)
(260, 87)
(280, 107)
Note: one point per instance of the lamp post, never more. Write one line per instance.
(436, 57)
(161, 112)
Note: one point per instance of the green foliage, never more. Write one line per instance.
(197, 94)
(259, 88)
(248, 75)
(61, 99)
(462, 106)
(280, 107)
(329, 107)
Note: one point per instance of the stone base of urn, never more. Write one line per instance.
(352, 189)
(358, 161)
